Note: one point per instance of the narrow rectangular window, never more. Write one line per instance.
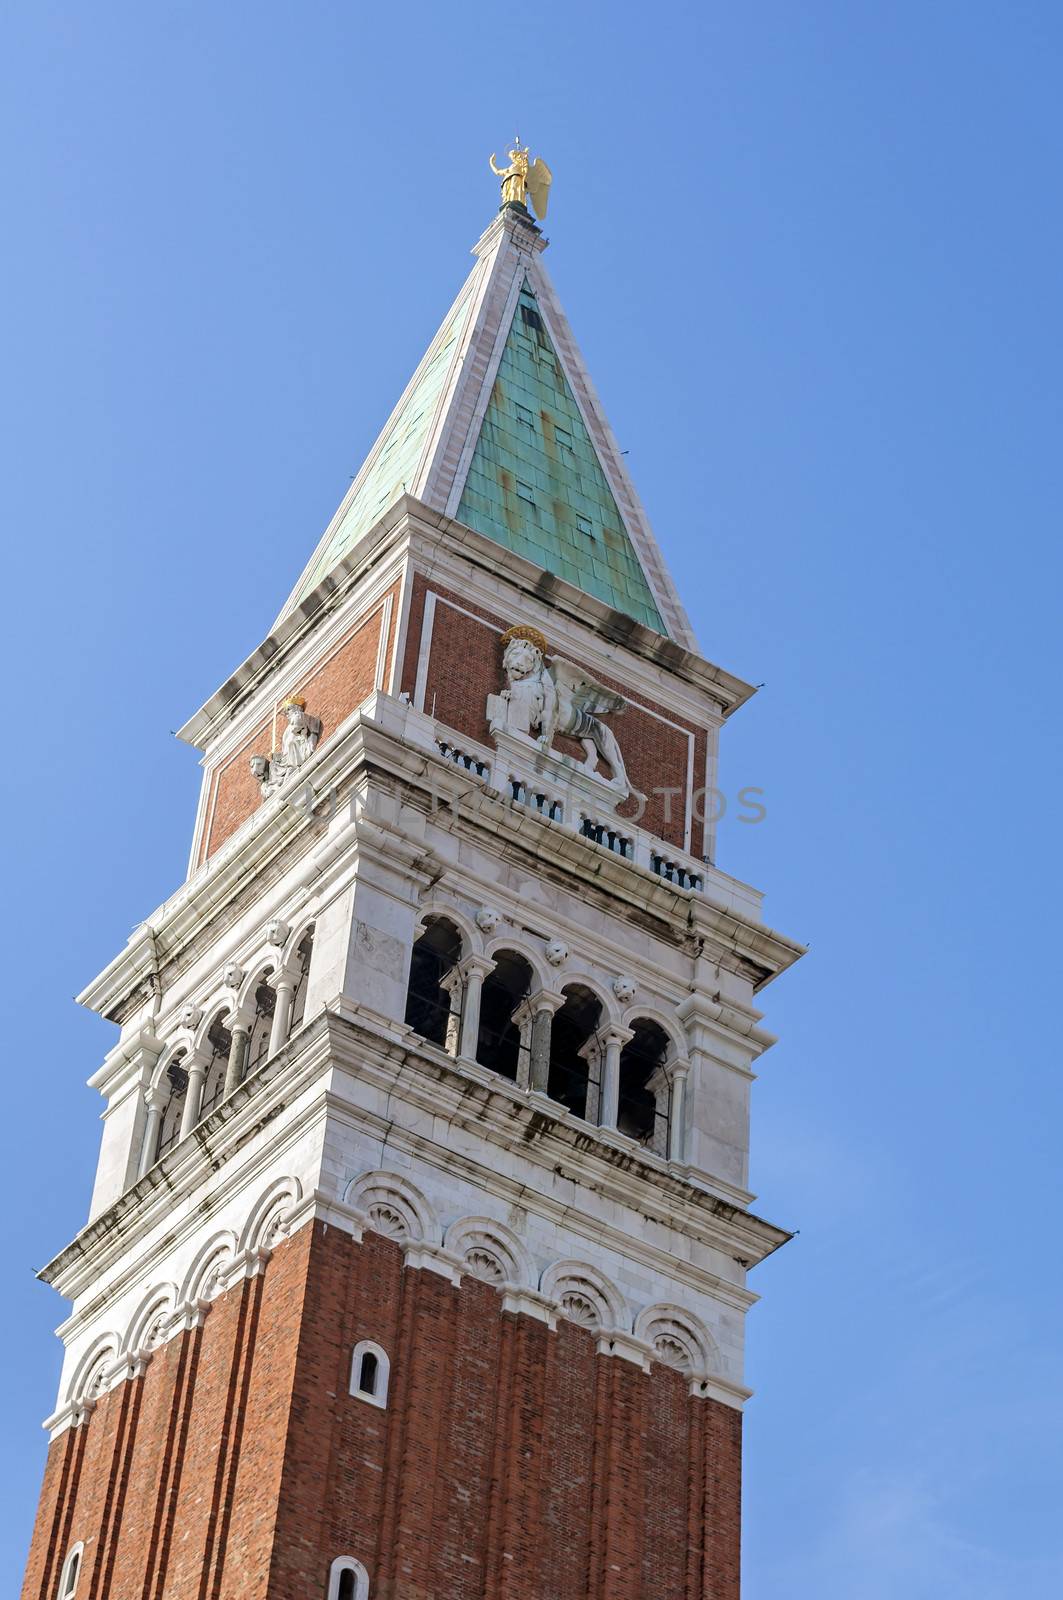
(525, 492)
(585, 526)
(524, 416)
(564, 441)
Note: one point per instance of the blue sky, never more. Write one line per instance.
(813, 256)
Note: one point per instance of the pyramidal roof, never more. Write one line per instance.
(500, 428)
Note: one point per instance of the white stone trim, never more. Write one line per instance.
(70, 1575)
(483, 397)
(378, 1395)
(615, 1342)
(585, 1295)
(392, 1206)
(344, 1564)
(424, 649)
(477, 1242)
(268, 1221)
(205, 1278)
(158, 1307)
(677, 1337)
(383, 643)
(420, 1256)
(586, 646)
(529, 1303)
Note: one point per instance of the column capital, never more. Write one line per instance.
(472, 966)
(615, 1033)
(676, 1070)
(194, 1060)
(534, 1005)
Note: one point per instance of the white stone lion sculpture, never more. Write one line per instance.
(546, 699)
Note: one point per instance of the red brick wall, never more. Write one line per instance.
(465, 666)
(173, 1482)
(332, 691)
(511, 1463)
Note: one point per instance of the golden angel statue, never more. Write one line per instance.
(523, 178)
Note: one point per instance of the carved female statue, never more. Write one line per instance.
(300, 736)
(298, 743)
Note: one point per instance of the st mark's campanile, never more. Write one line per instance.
(416, 1264)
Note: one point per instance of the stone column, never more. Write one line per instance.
(240, 1033)
(473, 970)
(594, 1055)
(539, 1054)
(534, 1016)
(284, 987)
(195, 1065)
(453, 987)
(613, 1041)
(155, 1102)
(677, 1114)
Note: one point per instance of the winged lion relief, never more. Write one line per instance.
(545, 699)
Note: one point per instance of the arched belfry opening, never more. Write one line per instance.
(642, 1111)
(303, 957)
(501, 1043)
(432, 1007)
(573, 1079)
(175, 1087)
(262, 1026)
(219, 1042)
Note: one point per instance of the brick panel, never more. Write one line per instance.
(332, 691)
(465, 666)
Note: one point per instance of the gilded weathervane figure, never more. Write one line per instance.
(524, 179)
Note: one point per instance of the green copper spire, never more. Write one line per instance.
(535, 482)
(500, 428)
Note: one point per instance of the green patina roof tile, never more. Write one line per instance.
(556, 460)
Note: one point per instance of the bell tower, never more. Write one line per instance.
(416, 1263)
